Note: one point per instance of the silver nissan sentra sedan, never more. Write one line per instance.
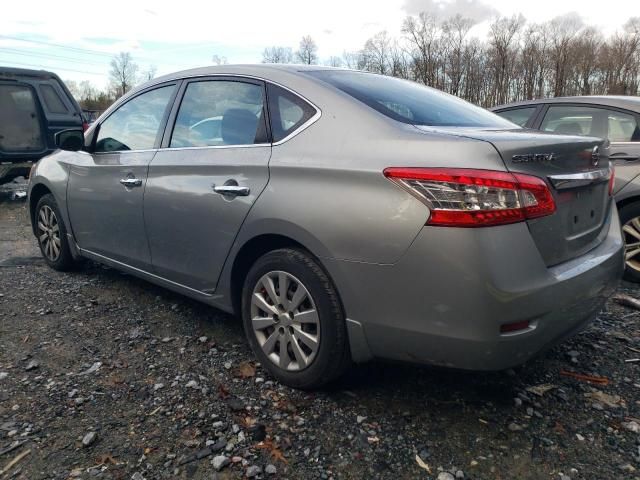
(342, 215)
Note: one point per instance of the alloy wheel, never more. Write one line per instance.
(631, 231)
(49, 233)
(285, 321)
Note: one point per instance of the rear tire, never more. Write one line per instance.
(51, 234)
(298, 334)
(630, 220)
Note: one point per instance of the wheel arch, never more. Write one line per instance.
(628, 200)
(252, 249)
(38, 191)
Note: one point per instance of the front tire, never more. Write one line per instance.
(51, 234)
(293, 319)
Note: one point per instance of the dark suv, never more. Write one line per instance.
(34, 105)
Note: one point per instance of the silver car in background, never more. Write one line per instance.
(616, 118)
(342, 215)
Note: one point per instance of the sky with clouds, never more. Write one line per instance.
(77, 40)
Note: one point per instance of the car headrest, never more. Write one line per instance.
(238, 127)
(570, 128)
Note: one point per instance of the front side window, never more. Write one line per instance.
(519, 116)
(575, 120)
(220, 112)
(135, 125)
(287, 112)
(410, 102)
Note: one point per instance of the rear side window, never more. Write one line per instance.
(623, 127)
(575, 120)
(20, 129)
(519, 116)
(410, 102)
(220, 112)
(287, 111)
(52, 100)
(135, 124)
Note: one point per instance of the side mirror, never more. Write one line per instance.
(72, 140)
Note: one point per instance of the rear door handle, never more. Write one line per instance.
(623, 156)
(131, 182)
(236, 190)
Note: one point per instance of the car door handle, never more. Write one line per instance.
(623, 156)
(231, 190)
(131, 182)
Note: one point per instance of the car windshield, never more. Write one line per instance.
(410, 102)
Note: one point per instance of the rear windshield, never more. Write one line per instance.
(410, 102)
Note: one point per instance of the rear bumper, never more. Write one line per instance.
(443, 303)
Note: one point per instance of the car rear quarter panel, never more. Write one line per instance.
(329, 180)
(327, 190)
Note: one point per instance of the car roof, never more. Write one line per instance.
(619, 101)
(257, 70)
(11, 73)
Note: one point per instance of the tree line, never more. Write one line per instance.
(516, 61)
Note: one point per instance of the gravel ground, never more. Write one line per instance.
(106, 376)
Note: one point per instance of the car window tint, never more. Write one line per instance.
(19, 120)
(519, 116)
(220, 112)
(575, 120)
(623, 127)
(134, 125)
(52, 100)
(410, 102)
(287, 112)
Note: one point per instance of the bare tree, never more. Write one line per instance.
(123, 73)
(503, 45)
(587, 48)
(150, 73)
(422, 33)
(277, 55)
(335, 61)
(400, 61)
(74, 88)
(563, 31)
(376, 53)
(219, 59)
(87, 90)
(455, 31)
(308, 51)
(353, 60)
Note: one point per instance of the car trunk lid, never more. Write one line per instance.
(577, 176)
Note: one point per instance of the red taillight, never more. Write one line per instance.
(85, 125)
(460, 197)
(612, 179)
